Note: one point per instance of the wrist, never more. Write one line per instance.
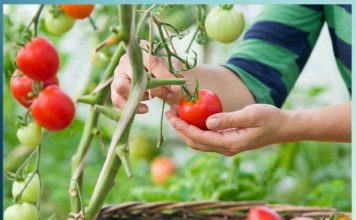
(295, 125)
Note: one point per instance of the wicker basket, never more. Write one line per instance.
(208, 210)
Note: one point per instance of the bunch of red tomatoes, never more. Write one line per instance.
(35, 86)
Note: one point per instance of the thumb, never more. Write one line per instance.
(237, 119)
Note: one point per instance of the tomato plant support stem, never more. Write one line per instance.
(87, 135)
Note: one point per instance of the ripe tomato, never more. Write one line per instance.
(224, 25)
(78, 11)
(53, 109)
(263, 213)
(197, 112)
(58, 23)
(32, 191)
(31, 135)
(161, 169)
(23, 211)
(21, 86)
(38, 59)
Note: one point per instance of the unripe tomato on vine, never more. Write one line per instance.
(223, 24)
(22, 86)
(78, 11)
(30, 135)
(53, 109)
(57, 22)
(31, 192)
(38, 59)
(23, 211)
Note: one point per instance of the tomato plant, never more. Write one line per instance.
(78, 11)
(38, 59)
(53, 109)
(21, 87)
(196, 111)
(162, 168)
(57, 22)
(31, 193)
(223, 24)
(23, 211)
(30, 135)
(263, 213)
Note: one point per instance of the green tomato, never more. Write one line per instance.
(24, 211)
(30, 135)
(32, 191)
(58, 23)
(224, 25)
(180, 16)
(143, 147)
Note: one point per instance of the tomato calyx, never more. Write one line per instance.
(56, 10)
(227, 7)
(192, 98)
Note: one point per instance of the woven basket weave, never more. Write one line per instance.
(208, 210)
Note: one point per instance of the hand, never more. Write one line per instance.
(252, 127)
(120, 87)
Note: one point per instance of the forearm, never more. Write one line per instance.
(233, 93)
(331, 123)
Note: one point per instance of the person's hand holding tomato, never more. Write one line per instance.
(252, 127)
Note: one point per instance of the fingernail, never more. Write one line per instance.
(142, 109)
(212, 123)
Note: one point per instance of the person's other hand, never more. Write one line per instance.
(252, 127)
(121, 85)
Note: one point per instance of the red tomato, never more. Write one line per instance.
(53, 109)
(263, 213)
(197, 112)
(161, 169)
(38, 59)
(21, 86)
(78, 11)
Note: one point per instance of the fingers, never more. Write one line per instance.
(244, 118)
(120, 102)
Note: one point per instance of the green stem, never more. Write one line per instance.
(161, 138)
(35, 20)
(87, 135)
(108, 112)
(112, 162)
(87, 99)
(156, 82)
(192, 40)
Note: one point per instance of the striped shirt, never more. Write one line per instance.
(276, 48)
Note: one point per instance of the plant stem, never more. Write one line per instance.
(156, 82)
(112, 162)
(87, 135)
(35, 20)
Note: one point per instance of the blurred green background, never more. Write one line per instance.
(303, 173)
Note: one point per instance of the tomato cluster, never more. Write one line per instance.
(35, 86)
(26, 192)
(60, 19)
